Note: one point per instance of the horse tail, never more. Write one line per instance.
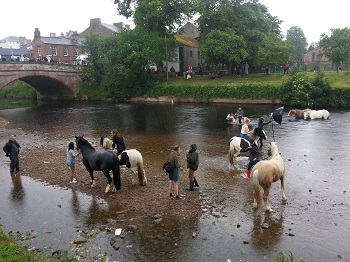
(116, 174)
(141, 171)
(231, 153)
(107, 143)
(256, 189)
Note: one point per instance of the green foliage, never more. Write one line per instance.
(18, 90)
(283, 258)
(223, 47)
(300, 91)
(215, 91)
(296, 37)
(337, 46)
(121, 64)
(245, 21)
(155, 16)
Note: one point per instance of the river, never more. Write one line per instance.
(313, 224)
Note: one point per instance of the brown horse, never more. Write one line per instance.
(298, 114)
(264, 173)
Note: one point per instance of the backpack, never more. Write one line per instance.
(168, 167)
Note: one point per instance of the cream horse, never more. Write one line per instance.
(131, 156)
(264, 173)
(316, 114)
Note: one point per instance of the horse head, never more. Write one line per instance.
(273, 149)
(81, 142)
(259, 132)
(231, 117)
(124, 159)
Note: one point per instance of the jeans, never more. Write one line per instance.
(14, 162)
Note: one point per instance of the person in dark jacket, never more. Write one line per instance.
(11, 150)
(261, 124)
(192, 165)
(254, 154)
(118, 145)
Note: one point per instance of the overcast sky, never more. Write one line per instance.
(313, 16)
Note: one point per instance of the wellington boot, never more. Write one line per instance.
(191, 186)
(196, 183)
(248, 173)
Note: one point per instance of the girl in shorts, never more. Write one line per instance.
(71, 155)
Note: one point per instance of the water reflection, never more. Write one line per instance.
(17, 192)
(267, 229)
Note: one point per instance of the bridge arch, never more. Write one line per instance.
(51, 81)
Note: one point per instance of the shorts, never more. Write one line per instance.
(70, 162)
(174, 176)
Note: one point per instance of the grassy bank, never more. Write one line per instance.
(202, 88)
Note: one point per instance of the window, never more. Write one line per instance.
(76, 52)
(65, 51)
(39, 50)
(199, 55)
(191, 53)
(313, 57)
(54, 51)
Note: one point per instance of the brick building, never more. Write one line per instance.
(62, 49)
(104, 29)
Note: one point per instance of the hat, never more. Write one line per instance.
(194, 146)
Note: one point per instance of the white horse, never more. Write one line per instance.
(316, 114)
(264, 173)
(239, 144)
(132, 158)
(232, 119)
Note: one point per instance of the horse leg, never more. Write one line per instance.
(141, 174)
(92, 179)
(284, 198)
(116, 177)
(266, 198)
(109, 181)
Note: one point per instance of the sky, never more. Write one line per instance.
(314, 17)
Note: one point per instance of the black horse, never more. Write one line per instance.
(104, 161)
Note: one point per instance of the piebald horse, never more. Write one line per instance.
(232, 119)
(298, 114)
(239, 144)
(264, 173)
(132, 158)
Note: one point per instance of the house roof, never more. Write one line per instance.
(59, 41)
(186, 41)
(11, 51)
(10, 39)
(112, 27)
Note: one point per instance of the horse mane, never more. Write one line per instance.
(82, 141)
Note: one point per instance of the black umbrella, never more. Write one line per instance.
(278, 114)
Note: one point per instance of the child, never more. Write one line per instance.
(254, 154)
(71, 155)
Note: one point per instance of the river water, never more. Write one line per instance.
(313, 224)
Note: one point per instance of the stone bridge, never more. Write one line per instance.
(51, 81)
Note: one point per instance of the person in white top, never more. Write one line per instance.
(245, 130)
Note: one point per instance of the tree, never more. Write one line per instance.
(247, 19)
(224, 47)
(337, 46)
(122, 62)
(157, 16)
(273, 51)
(296, 37)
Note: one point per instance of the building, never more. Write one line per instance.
(103, 29)
(315, 60)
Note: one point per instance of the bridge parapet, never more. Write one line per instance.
(51, 81)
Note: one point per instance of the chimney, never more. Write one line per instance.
(95, 21)
(52, 34)
(36, 33)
